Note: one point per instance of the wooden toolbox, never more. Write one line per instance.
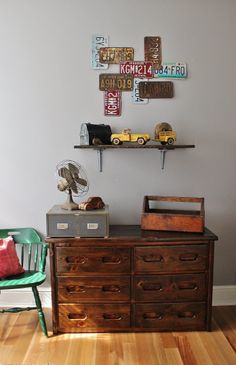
(158, 218)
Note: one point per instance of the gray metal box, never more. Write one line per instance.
(77, 223)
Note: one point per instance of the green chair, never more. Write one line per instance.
(32, 252)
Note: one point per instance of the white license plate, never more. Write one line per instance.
(98, 41)
(135, 93)
(171, 70)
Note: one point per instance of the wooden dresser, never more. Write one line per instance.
(132, 281)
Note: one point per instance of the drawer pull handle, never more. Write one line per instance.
(78, 316)
(150, 286)
(113, 260)
(188, 286)
(73, 289)
(188, 257)
(112, 316)
(75, 259)
(153, 315)
(111, 288)
(153, 258)
(187, 315)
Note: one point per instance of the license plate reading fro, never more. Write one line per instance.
(152, 51)
(112, 103)
(115, 82)
(172, 70)
(137, 69)
(156, 89)
(115, 54)
(98, 41)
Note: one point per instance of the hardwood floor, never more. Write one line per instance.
(22, 343)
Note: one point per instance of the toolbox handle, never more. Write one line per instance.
(177, 199)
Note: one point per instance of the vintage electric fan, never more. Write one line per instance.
(73, 180)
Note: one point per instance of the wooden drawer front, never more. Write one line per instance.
(170, 287)
(187, 316)
(171, 258)
(90, 260)
(73, 289)
(76, 318)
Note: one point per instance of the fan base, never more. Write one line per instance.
(70, 206)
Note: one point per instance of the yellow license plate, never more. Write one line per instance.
(115, 54)
(115, 82)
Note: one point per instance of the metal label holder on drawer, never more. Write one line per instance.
(77, 223)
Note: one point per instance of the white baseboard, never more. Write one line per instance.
(24, 297)
(222, 295)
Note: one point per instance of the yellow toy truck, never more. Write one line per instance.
(127, 136)
(166, 137)
(164, 133)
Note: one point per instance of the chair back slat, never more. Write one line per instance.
(36, 257)
(22, 255)
(29, 257)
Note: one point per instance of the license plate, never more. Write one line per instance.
(156, 89)
(176, 70)
(98, 41)
(152, 50)
(135, 94)
(137, 69)
(115, 54)
(112, 103)
(115, 82)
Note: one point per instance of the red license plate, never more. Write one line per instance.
(137, 69)
(112, 103)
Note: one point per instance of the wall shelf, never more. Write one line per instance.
(162, 148)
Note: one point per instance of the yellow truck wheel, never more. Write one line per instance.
(170, 141)
(116, 141)
(141, 141)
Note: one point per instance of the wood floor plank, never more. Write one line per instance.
(198, 349)
(185, 350)
(225, 317)
(22, 342)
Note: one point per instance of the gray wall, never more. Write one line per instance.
(47, 88)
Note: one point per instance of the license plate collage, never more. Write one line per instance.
(141, 78)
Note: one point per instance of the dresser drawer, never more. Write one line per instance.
(171, 258)
(92, 260)
(73, 289)
(91, 317)
(170, 287)
(173, 316)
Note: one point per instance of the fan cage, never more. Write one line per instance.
(82, 190)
